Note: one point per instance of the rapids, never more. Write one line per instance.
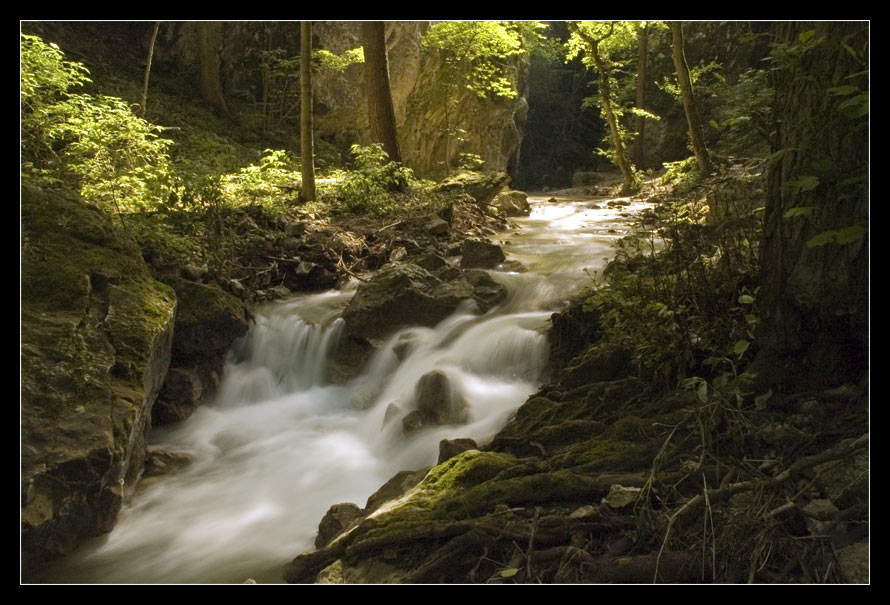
(279, 444)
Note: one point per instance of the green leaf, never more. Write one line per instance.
(844, 90)
(826, 237)
(799, 211)
(760, 400)
(804, 183)
(746, 299)
(701, 391)
(850, 234)
(804, 36)
(740, 347)
(508, 572)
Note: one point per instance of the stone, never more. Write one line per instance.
(854, 563)
(392, 410)
(307, 276)
(162, 462)
(621, 497)
(338, 519)
(512, 203)
(477, 254)
(413, 421)
(96, 340)
(394, 488)
(436, 226)
(482, 187)
(179, 397)
(439, 401)
(449, 448)
(405, 294)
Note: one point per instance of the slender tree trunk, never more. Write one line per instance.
(611, 118)
(696, 134)
(638, 152)
(814, 297)
(307, 153)
(381, 116)
(211, 88)
(151, 52)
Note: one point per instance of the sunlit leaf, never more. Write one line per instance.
(740, 347)
(746, 299)
(508, 572)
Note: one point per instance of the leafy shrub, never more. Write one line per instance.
(370, 188)
(272, 180)
(95, 143)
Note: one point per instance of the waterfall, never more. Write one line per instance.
(280, 444)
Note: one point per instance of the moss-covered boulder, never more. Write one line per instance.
(208, 322)
(483, 187)
(96, 340)
(406, 294)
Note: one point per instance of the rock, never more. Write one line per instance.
(392, 410)
(430, 261)
(439, 401)
(621, 497)
(845, 481)
(405, 294)
(162, 462)
(280, 292)
(512, 203)
(295, 229)
(436, 226)
(854, 562)
(192, 272)
(513, 266)
(96, 339)
(819, 515)
(179, 397)
(480, 255)
(338, 519)
(413, 421)
(483, 187)
(449, 448)
(307, 276)
(396, 487)
(599, 363)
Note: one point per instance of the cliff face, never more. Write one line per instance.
(493, 128)
(96, 333)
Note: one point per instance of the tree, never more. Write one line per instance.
(211, 87)
(640, 119)
(151, 52)
(476, 55)
(814, 293)
(696, 133)
(596, 40)
(381, 116)
(307, 153)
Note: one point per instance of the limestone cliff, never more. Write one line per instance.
(96, 335)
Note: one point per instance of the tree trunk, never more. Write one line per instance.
(696, 134)
(615, 134)
(307, 153)
(381, 116)
(814, 293)
(211, 88)
(151, 52)
(643, 35)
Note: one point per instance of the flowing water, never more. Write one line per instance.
(279, 445)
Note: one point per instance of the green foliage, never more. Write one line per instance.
(273, 180)
(675, 293)
(370, 189)
(335, 62)
(95, 143)
(476, 54)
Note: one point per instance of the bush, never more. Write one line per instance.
(96, 144)
(370, 188)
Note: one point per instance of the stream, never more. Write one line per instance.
(279, 444)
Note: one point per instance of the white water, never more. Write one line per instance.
(280, 445)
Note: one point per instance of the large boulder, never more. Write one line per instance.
(405, 294)
(208, 322)
(512, 203)
(483, 187)
(96, 339)
(480, 255)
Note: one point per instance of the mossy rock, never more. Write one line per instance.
(96, 344)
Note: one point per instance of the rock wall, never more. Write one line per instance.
(494, 127)
(96, 337)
